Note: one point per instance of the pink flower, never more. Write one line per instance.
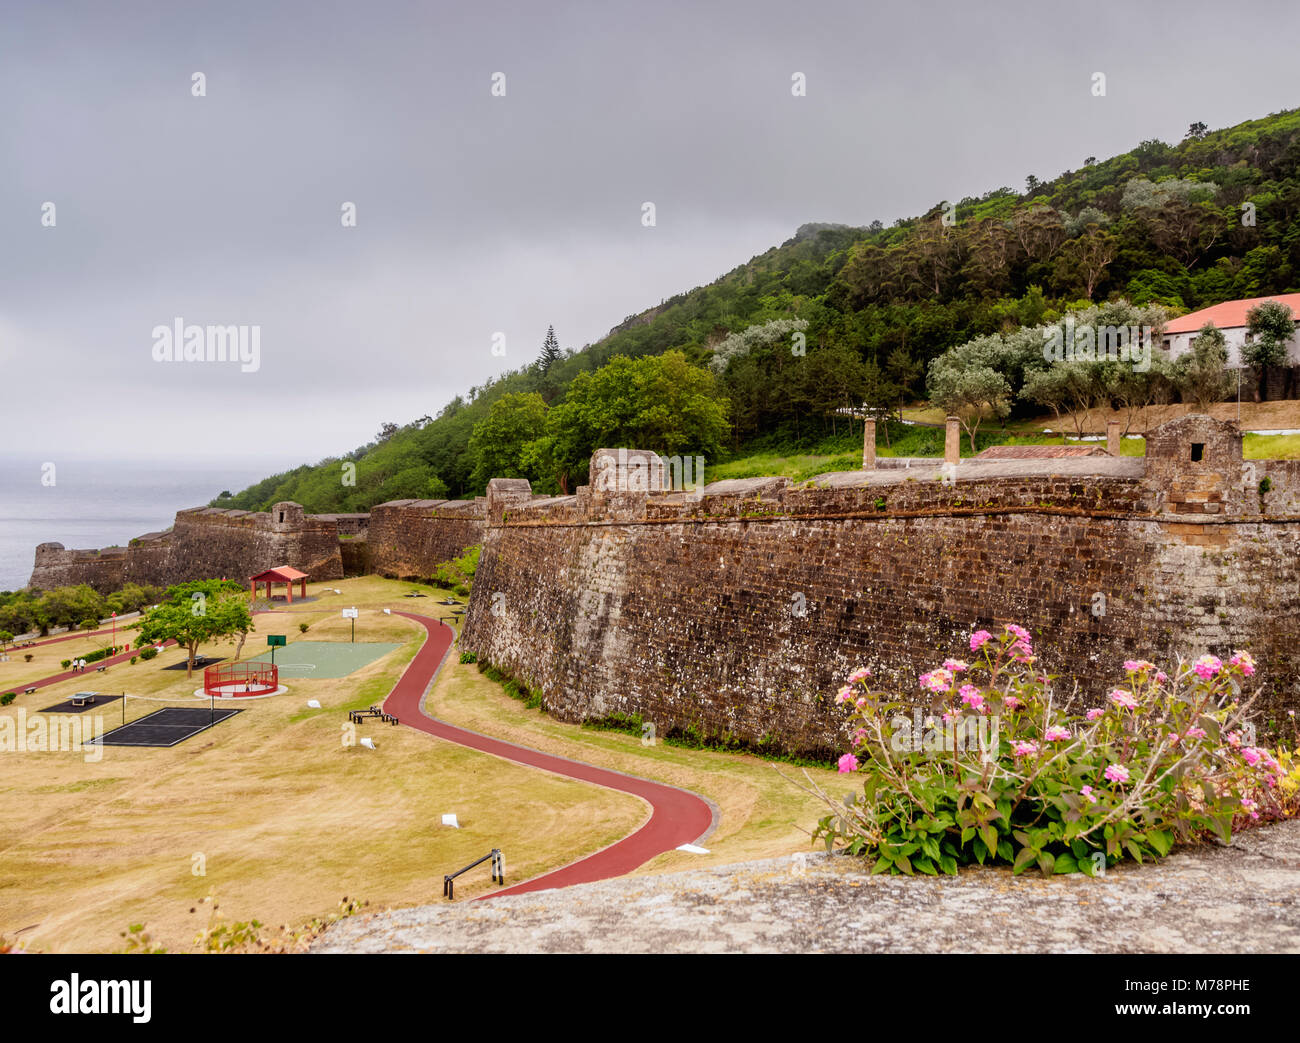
(955, 665)
(1123, 699)
(860, 674)
(1116, 773)
(1024, 749)
(1194, 733)
(1056, 733)
(861, 702)
(1011, 702)
(844, 694)
(1250, 806)
(1161, 677)
(937, 680)
(859, 735)
(1019, 632)
(1086, 793)
(1094, 713)
(1234, 739)
(979, 639)
(1243, 660)
(1252, 755)
(848, 763)
(971, 696)
(1173, 739)
(1134, 666)
(1207, 666)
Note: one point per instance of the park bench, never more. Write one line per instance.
(29, 691)
(357, 716)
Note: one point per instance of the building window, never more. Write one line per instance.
(1198, 450)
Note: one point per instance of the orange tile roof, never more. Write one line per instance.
(282, 572)
(1229, 313)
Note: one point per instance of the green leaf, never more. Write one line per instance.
(990, 837)
(1005, 851)
(948, 864)
(882, 864)
(1023, 858)
(1066, 864)
(1161, 841)
(1046, 862)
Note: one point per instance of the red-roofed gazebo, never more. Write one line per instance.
(281, 574)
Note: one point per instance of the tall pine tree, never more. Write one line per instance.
(550, 352)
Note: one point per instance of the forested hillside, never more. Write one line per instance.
(836, 316)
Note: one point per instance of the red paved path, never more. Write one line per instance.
(75, 635)
(678, 817)
(90, 671)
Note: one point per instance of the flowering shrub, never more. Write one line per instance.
(1003, 774)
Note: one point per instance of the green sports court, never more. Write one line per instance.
(324, 659)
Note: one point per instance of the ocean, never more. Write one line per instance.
(99, 503)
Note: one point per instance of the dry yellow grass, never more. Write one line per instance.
(287, 820)
(762, 813)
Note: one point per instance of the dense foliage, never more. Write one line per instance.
(1002, 769)
(1183, 226)
(196, 613)
(34, 610)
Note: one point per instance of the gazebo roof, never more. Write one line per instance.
(279, 574)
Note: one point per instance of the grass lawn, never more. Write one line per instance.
(1031, 431)
(287, 820)
(762, 814)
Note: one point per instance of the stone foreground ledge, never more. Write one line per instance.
(1209, 899)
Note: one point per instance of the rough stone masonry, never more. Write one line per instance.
(736, 615)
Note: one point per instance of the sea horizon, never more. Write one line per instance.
(93, 502)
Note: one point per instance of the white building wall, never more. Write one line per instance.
(1235, 336)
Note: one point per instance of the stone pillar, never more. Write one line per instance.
(1112, 437)
(952, 441)
(869, 446)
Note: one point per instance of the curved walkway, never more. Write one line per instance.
(677, 816)
(90, 671)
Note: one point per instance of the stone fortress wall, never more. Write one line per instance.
(737, 611)
(738, 614)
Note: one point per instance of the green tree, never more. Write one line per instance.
(500, 440)
(902, 371)
(658, 402)
(195, 613)
(550, 352)
(1269, 328)
(965, 384)
(1202, 375)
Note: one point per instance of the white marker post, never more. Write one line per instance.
(351, 613)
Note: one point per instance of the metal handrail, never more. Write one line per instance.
(498, 872)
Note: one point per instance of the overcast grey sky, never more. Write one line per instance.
(478, 214)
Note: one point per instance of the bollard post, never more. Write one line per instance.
(952, 441)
